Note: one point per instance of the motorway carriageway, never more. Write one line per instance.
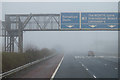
(72, 66)
(87, 67)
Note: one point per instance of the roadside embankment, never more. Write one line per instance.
(13, 60)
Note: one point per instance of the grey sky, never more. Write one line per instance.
(57, 7)
(99, 41)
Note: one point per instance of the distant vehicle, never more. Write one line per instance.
(91, 53)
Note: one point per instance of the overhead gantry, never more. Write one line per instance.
(15, 24)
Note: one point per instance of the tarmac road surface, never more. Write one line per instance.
(87, 67)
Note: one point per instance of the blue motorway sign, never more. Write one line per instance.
(99, 20)
(90, 20)
(70, 20)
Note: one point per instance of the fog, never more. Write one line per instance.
(75, 41)
(101, 42)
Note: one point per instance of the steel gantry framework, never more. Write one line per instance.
(15, 24)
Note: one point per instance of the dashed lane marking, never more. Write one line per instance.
(94, 76)
(116, 68)
(82, 65)
(105, 64)
(86, 69)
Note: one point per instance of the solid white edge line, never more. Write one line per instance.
(22, 67)
(57, 68)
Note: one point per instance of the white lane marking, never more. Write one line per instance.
(82, 64)
(116, 68)
(105, 64)
(94, 76)
(81, 57)
(57, 68)
(86, 69)
(76, 57)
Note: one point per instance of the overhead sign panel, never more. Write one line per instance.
(70, 20)
(99, 20)
(90, 20)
